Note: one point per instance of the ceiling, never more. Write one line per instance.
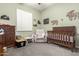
(39, 6)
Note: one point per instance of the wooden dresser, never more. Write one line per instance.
(8, 38)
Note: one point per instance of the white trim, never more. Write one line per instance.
(77, 46)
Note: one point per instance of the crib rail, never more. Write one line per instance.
(62, 36)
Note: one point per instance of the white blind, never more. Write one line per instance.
(24, 20)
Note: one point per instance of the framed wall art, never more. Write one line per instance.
(46, 21)
(54, 22)
(5, 17)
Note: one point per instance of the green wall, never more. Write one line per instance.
(10, 10)
(58, 12)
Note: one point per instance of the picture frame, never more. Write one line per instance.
(4, 17)
(35, 25)
(46, 21)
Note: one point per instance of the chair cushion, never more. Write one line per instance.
(20, 38)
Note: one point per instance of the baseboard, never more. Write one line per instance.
(77, 46)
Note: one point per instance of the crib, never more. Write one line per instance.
(64, 36)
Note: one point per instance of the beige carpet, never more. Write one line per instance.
(41, 49)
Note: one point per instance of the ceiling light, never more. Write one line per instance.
(39, 3)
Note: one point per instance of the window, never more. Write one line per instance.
(24, 20)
